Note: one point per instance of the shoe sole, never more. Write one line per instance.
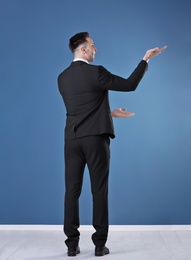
(101, 253)
(73, 253)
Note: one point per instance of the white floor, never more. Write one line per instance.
(124, 244)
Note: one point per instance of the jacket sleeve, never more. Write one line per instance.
(110, 81)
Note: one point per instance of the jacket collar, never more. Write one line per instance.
(80, 59)
(76, 63)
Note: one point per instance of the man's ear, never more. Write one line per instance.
(83, 50)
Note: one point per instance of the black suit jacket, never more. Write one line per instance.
(84, 88)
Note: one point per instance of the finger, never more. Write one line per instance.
(163, 48)
(129, 114)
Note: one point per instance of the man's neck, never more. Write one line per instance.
(80, 59)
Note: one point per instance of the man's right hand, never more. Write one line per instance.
(153, 52)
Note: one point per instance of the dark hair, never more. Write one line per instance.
(77, 39)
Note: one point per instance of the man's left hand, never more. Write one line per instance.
(121, 113)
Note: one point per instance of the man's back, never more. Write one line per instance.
(86, 101)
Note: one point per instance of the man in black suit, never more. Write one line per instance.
(88, 130)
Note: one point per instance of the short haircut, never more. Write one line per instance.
(77, 40)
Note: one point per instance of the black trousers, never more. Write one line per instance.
(95, 152)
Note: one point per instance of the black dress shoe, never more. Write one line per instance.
(73, 251)
(101, 250)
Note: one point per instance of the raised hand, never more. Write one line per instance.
(153, 52)
(121, 113)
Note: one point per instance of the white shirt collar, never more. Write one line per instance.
(80, 59)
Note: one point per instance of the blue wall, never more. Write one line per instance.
(150, 177)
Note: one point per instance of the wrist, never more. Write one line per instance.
(146, 58)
